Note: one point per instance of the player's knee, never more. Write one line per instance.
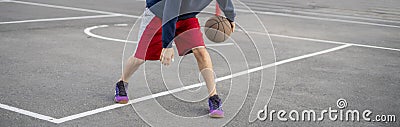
(136, 61)
(200, 51)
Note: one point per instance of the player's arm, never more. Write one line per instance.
(169, 19)
(229, 10)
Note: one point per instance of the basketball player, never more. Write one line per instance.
(163, 21)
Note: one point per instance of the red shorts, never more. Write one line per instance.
(187, 37)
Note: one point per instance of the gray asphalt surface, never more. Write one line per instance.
(55, 69)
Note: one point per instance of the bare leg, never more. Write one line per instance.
(130, 67)
(206, 69)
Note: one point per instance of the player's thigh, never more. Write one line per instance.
(149, 45)
(188, 36)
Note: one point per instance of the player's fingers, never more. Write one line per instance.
(167, 61)
(172, 58)
(233, 26)
(164, 61)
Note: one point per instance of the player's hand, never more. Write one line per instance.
(233, 26)
(167, 55)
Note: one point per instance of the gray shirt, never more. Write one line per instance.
(170, 10)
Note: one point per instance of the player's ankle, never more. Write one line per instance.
(212, 94)
(122, 80)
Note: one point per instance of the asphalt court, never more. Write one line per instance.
(55, 71)
(34, 12)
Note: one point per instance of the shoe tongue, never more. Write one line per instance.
(214, 97)
(215, 101)
(120, 83)
(122, 90)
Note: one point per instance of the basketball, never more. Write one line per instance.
(217, 29)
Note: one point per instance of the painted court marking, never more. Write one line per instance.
(331, 42)
(328, 41)
(239, 10)
(323, 19)
(89, 29)
(267, 13)
(73, 8)
(114, 106)
(88, 32)
(112, 14)
(323, 41)
(294, 12)
(28, 113)
(58, 19)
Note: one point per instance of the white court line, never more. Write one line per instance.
(73, 8)
(89, 29)
(50, 119)
(332, 42)
(320, 18)
(57, 19)
(4, 0)
(240, 10)
(295, 12)
(267, 13)
(325, 41)
(95, 111)
(28, 113)
(270, 12)
(322, 41)
(114, 106)
(88, 32)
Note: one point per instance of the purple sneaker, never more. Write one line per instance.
(215, 107)
(121, 95)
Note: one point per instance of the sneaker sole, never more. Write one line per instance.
(216, 116)
(121, 102)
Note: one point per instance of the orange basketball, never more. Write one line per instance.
(218, 29)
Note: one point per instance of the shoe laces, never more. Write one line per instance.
(121, 89)
(215, 102)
